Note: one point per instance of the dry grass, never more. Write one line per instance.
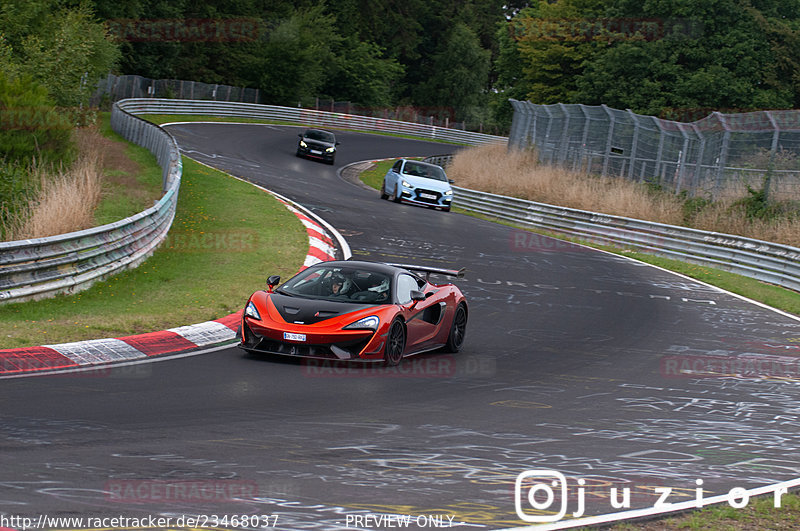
(494, 169)
(67, 198)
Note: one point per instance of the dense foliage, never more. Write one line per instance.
(461, 59)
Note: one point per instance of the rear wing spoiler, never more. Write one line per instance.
(457, 273)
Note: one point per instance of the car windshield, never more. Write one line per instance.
(322, 136)
(341, 284)
(424, 170)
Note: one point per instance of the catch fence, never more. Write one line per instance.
(718, 157)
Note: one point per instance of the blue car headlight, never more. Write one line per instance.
(406, 184)
(251, 311)
(367, 323)
(448, 192)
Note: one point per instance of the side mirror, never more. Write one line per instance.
(300, 135)
(336, 143)
(417, 295)
(451, 181)
(273, 281)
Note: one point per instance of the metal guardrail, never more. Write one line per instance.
(43, 267)
(305, 116)
(769, 262)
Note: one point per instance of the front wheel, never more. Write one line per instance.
(384, 195)
(458, 331)
(395, 344)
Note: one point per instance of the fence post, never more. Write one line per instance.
(634, 142)
(681, 169)
(564, 147)
(723, 154)
(662, 134)
(607, 155)
(772, 154)
(698, 168)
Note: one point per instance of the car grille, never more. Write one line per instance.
(433, 198)
(254, 342)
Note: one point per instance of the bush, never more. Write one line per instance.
(31, 128)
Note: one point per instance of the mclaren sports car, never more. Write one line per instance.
(356, 310)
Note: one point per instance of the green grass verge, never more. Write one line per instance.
(116, 203)
(771, 295)
(760, 513)
(227, 237)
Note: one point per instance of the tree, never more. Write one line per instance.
(297, 55)
(554, 42)
(63, 49)
(458, 75)
(360, 74)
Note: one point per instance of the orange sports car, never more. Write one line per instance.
(356, 310)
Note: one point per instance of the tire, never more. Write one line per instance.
(458, 330)
(395, 344)
(384, 195)
(396, 197)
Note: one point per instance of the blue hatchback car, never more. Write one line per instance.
(420, 183)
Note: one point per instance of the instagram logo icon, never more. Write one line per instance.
(539, 489)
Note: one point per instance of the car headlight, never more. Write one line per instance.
(367, 323)
(331, 149)
(251, 311)
(303, 144)
(406, 184)
(449, 192)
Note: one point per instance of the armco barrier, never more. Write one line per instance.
(770, 262)
(43, 267)
(304, 116)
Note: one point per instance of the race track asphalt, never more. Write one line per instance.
(575, 361)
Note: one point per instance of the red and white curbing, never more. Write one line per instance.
(321, 248)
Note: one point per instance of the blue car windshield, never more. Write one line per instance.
(322, 136)
(424, 170)
(341, 284)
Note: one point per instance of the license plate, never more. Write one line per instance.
(427, 196)
(316, 152)
(288, 336)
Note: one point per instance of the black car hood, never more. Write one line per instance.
(309, 311)
(317, 144)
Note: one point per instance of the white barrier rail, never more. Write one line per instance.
(770, 262)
